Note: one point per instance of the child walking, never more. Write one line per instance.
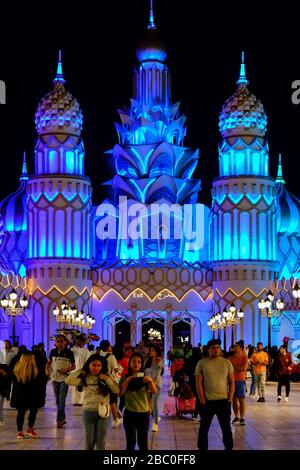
(136, 386)
(97, 388)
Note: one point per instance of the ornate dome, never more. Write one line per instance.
(243, 113)
(58, 111)
(13, 209)
(151, 47)
(288, 207)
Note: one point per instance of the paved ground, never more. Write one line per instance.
(269, 426)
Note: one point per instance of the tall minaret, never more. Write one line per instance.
(243, 218)
(59, 209)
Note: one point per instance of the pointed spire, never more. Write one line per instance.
(279, 178)
(242, 79)
(59, 74)
(24, 175)
(151, 24)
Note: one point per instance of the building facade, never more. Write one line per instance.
(151, 255)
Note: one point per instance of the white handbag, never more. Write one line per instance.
(103, 409)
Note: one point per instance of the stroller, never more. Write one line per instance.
(185, 398)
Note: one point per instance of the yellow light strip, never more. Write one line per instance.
(242, 293)
(54, 287)
(138, 289)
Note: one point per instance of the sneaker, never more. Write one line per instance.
(154, 427)
(242, 422)
(286, 399)
(263, 399)
(20, 435)
(235, 420)
(60, 424)
(159, 419)
(1, 424)
(31, 433)
(279, 398)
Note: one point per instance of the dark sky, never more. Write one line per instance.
(98, 41)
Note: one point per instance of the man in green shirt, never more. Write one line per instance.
(215, 388)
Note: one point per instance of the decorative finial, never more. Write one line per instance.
(59, 74)
(24, 175)
(151, 24)
(242, 79)
(279, 178)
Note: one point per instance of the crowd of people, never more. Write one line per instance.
(126, 382)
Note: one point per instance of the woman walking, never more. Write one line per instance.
(97, 387)
(136, 386)
(154, 368)
(283, 370)
(26, 393)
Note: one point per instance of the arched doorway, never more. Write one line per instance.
(181, 331)
(122, 331)
(156, 324)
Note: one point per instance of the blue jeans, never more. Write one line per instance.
(253, 384)
(60, 391)
(2, 399)
(95, 429)
(155, 398)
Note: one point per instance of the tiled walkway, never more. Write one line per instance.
(269, 425)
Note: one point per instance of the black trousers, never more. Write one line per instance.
(283, 380)
(222, 409)
(136, 426)
(21, 417)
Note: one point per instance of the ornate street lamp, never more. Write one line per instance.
(296, 293)
(68, 316)
(232, 317)
(13, 307)
(217, 323)
(270, 309)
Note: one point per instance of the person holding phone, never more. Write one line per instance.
(136, 386)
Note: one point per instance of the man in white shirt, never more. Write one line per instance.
(7, 353)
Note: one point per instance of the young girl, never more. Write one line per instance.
(97, 386)
(154, 368)
(136, 386)
(26, 393)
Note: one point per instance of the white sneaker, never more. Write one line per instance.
(159, 419)
(279, 398)
(154, 427)
(286, 399)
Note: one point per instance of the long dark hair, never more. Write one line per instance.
(138, 382)
(158, 352)
(103, 387)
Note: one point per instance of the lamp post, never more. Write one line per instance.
(296, 293)
(69, 316)
(216, 322)
(266, 309)
(13, 307)
(232, 317)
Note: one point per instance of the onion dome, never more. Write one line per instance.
(288, 207)
(243, 113)
(150, 47)
(13, 209)
(59, 112)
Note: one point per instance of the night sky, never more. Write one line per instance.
(98, 45)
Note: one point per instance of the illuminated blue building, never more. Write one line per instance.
(249, 240)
